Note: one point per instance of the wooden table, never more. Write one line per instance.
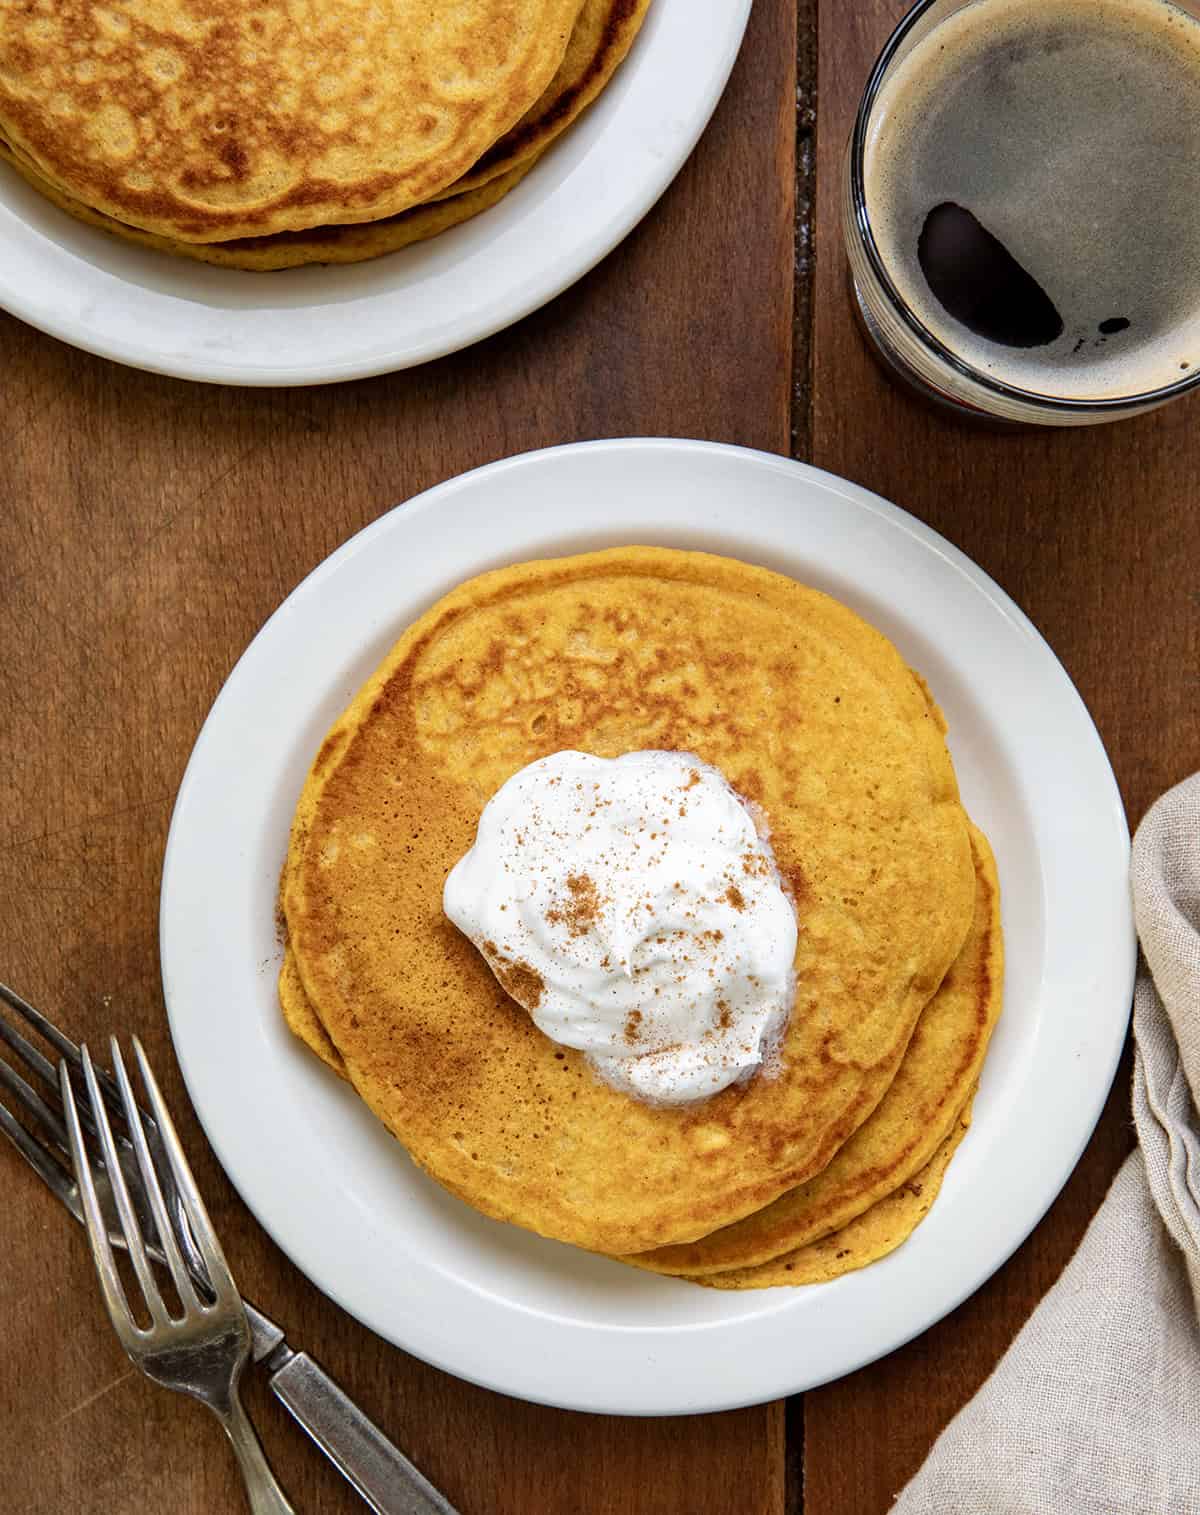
(148, 527)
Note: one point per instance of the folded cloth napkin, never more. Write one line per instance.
(1095, 1408)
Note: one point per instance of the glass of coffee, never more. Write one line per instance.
(1022, 206)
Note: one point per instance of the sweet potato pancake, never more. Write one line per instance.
(808, 712)
(872, 1235)
(292, 249)
(603, 34)
(205, 120)
(302, 1020)
(938, 1073)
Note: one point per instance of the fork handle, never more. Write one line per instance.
(262, 1488)
(385, 1478)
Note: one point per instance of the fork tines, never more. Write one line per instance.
(201, 1227)
(63, 1045)
(44, 1144)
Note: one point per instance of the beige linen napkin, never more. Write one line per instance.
(1095, 1408)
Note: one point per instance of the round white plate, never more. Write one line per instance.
(498, 1305)
(318, 325)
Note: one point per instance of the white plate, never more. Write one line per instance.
(495, 1304)
(317, 325)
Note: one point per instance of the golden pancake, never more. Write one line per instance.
(885, 1177)
(603, 34)
(940, 1068)
(292, 249)
(205, 120)
(302, 1020)
(805, 708)
(874, 1234)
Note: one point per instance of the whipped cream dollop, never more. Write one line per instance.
(632, 907)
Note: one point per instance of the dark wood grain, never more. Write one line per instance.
(1096, 534)
(147, 528)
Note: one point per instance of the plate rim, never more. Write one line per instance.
(1122, 942)
(522, 298)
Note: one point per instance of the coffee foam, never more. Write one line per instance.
(1071, 130)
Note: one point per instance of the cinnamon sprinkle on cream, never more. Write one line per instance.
(582, 910)
(517, 979)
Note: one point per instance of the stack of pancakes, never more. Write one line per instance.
(308, 131)
(791, 1177)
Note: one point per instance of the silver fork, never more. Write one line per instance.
(44, 1162)
(203, 1351)
(386, 1479)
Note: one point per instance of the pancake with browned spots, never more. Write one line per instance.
(939, 1070)
(206, 120)
(872, 1235)
(807, 710)
(294, 249)
(603, 34)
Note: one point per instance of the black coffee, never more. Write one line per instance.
(1032, 178)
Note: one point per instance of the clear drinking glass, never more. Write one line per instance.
(923, 360)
